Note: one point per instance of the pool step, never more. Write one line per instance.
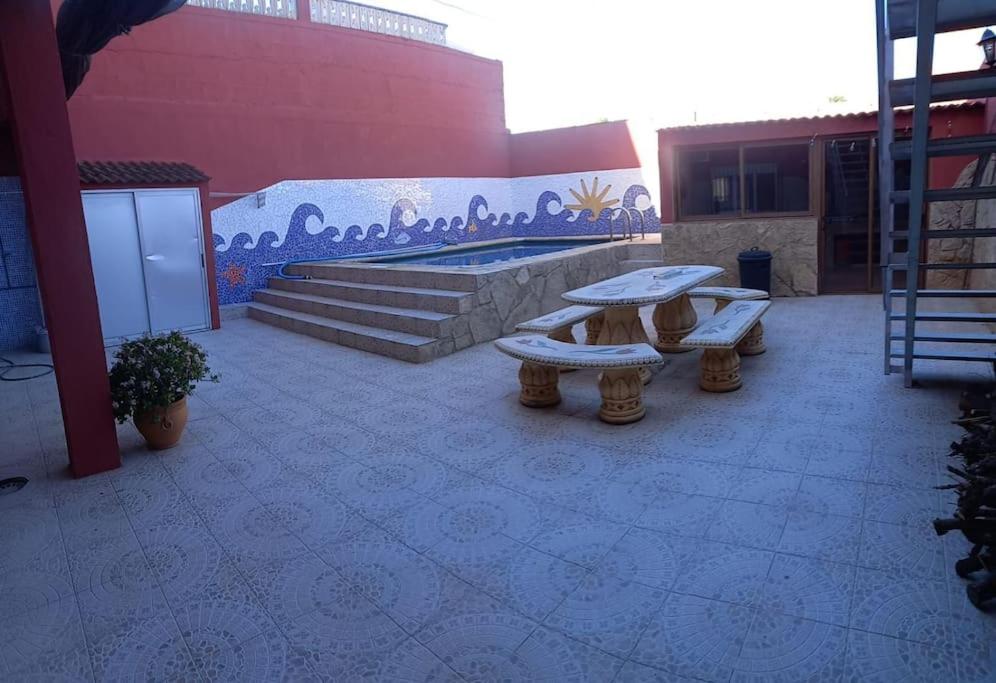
(439, 300)
(410, 320)
(392, 343)
(395, 276)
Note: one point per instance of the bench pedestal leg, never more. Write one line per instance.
(622, 396)
(539, 385)
(622, 325)
(720, 370)
(593, 327)
(564, 334)
(753, 342)
(674, 320)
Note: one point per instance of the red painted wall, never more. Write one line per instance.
(255, 100)
(953, 121)
(596, 147)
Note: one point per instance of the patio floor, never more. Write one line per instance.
(337, 515)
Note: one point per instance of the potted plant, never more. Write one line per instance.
(150, 381)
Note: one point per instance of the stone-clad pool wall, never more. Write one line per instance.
(316, 219)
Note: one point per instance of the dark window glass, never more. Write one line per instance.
(709, 181)
(777, 178)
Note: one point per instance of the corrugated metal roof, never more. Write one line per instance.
(955, 106)
(139, 173)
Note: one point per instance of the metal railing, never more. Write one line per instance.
(286, 9)
(365, 18)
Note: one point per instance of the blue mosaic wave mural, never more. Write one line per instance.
(243, 265)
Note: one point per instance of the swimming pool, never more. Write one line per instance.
(495, 253)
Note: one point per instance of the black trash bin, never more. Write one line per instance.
(755, 269)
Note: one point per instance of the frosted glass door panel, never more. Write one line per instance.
(171, 253)
(116, 255)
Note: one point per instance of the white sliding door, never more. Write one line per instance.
(170, 225)
(116, 254)
(147, 250)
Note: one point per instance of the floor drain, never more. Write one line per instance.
(12, 485)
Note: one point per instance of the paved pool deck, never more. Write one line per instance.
(336, 515)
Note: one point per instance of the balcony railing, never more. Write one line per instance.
(366, 18)
(286, 9)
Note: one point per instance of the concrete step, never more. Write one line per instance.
(413, 321)
(408, 347)
(638, 264)
(438, 300)
(400, 276)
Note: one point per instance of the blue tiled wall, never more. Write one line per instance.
(20, 312)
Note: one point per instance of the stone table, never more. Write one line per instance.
(622, 296)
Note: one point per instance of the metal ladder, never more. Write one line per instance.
(923, 19)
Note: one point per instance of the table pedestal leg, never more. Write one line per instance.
(720, 370)
(753, 343)
(622, 325)
(539, 385)
(622, 396)
(564, 334)
(593, 327)
(674, 320)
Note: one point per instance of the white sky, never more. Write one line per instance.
(672, 62)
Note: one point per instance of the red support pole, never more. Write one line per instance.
(44, 145)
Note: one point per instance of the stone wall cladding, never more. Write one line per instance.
(507, 297)
(984, 248)
(952, 216)
(792, 242)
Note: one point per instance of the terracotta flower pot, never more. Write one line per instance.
(163, 427)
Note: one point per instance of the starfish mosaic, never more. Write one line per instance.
(594, 201)
(234, 275)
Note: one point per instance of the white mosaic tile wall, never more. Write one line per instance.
(328, 218)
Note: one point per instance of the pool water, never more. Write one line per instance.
(477, 256)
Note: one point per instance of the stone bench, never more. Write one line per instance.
(619, 383)
(719, 337)
(558, 325)
(753, 342)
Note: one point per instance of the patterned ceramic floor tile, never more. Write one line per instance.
(903, 549)
(808, 588)
(901, 505)
(347, 633)
(823, 536)
(560, 472)
(874, 658)
(782, 649)
(607, 612)
(481, 646)
(406, 585)
(289, 588)
(251, 534)
(577, 538)
(148, 650)
(529, 581)
(848, 464)
(718, 571)
(266, 657)
(39, 634)
(694, 637)
(679, 514)
(830, 496)
(469, 445)
(910, 609)
(646, 557)
(748, 524)
(771, 487)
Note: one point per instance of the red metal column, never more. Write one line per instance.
(44, 146)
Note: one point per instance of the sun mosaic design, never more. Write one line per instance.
(244, 264)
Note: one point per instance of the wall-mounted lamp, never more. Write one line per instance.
(988, 45)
